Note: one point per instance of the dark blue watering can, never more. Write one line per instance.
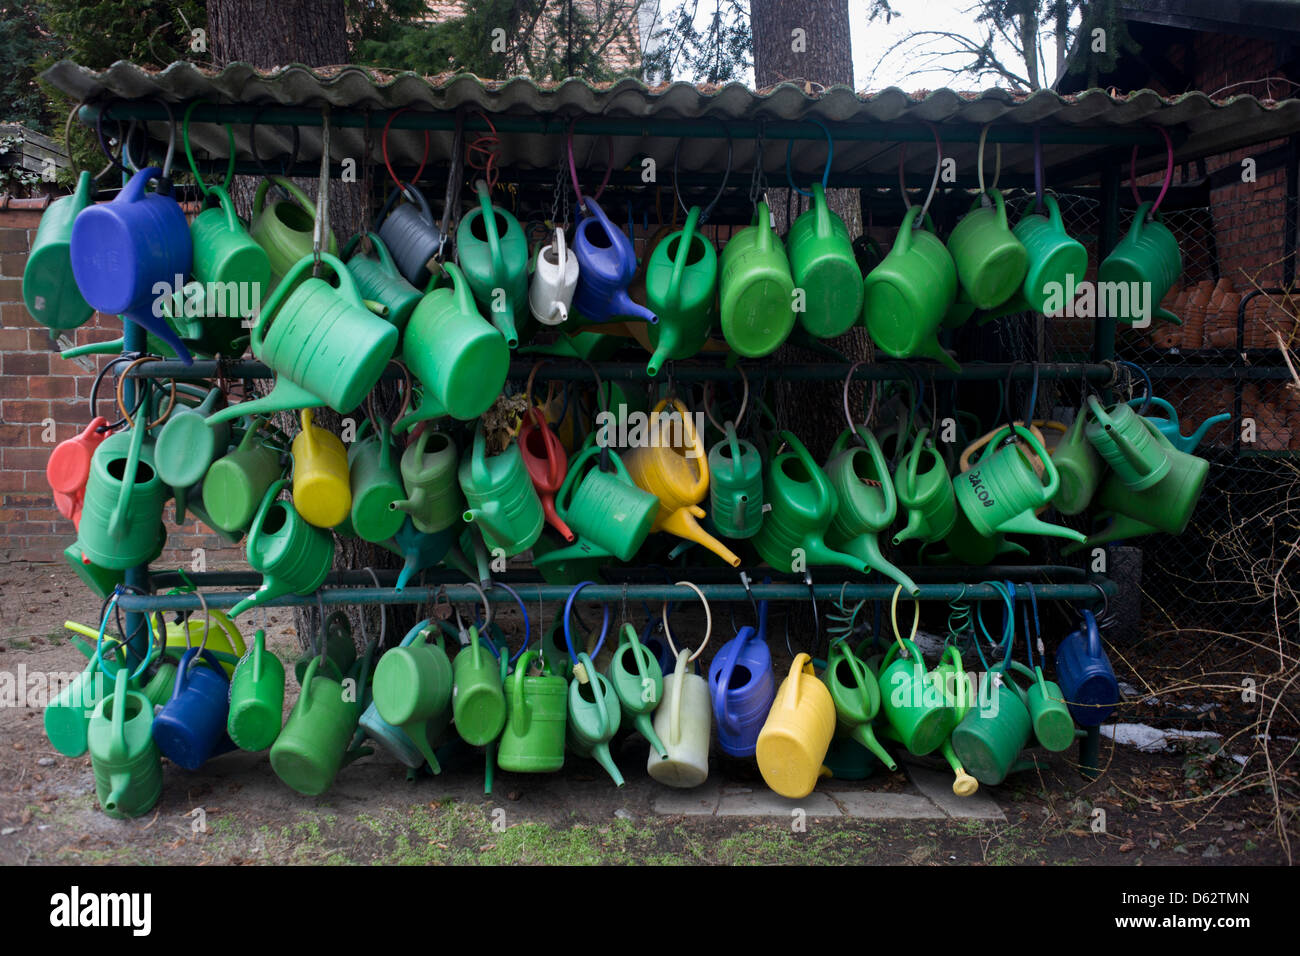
(606, 265)
(743, 686)
(191, 727)
(657, 646)
(419, 550)
(121, 249)
(1085, 676)
(1167, 423)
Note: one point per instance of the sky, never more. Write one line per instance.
(872, 41)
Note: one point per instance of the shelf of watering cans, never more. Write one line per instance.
(577, 369)
(1051, 583)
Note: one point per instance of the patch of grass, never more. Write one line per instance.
(20, 643)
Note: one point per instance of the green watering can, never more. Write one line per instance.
(256, 698)
(638, 682)
(681, 289)
(610, 515)
(594, 716)
(121, 518)
(283, 229)
(1057, 261)
(857, 698)
(49, 288)
(803, 506)
(313, 746)
(379, 281)
(906, 297)
(236, 484)
(413, 685)
(433, 496)
(1077, 463)
(338, 654)
(993, 733)
(822, 263)
(101, 581)
(1122, 437)
(126, 762)
(1147, 258)
(501, 497)
(867, 503)
(927, 496)
(292, 556)
(232, 270)
(492, 250)
(1165, 506)
(757, 289)
(1167, 424)
(968, 545)
(324, 345)
(735, 486)
(536, 718)
(459, 358)
(186, 448)
(991, 262)
(1002, 491)
(376, 486)
(921, 714)
(1048, 713)
(478, 698)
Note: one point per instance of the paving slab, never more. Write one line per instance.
(870, 805)
(937, 786)
(701, 801)
(737, 802)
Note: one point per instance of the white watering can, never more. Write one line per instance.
(554, 280)
(684, 719)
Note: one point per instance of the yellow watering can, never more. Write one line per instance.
(674, 467)
(793, 742)
(321, 490)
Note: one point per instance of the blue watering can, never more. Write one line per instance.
(121, 249)
(657, 646)
(743, 686)
(395, 740)
(191, 727)
(419, 550)
(1168, 424)
(1085, 676)
(606, 265)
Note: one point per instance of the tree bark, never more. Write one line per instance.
(275, 33)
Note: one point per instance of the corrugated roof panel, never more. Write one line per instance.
(1201, 126)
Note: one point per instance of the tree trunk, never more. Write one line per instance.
(269, 35)
(826, 58)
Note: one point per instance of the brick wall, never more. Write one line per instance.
(38, 389)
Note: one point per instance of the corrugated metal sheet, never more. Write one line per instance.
(1201, 126)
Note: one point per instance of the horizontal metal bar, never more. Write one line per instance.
(554, 124)
(572, 369)
(614, 593)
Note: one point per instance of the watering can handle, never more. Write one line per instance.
(1054, 213)
(228, 207)
(917, 661)
(638, 651)
(259, 649)
(696, 444)
(683, 255)
(259, 200)
(1001, 205)
(1139, 220)
(903, 241)
(346, 286)
(121, 513)
(518, 704)
(133, 191)
(478, 457)
(869, 687)
(489, 227)
(821, 210)
(1049, 468)
(255, 529)
(763, 219)
(1170, 412)
(824, 490)
(733, 441)
(571, 479)
(1094, 635)
(801, 663)
(882, 469)
(914, 457)
(1023, 670)
(675, 705)
(720, 711)
(593, 678)
(119, 708)
(561, 249)
(304, 697)
(962, 686)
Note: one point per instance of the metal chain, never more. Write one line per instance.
(321, 229)
(757, 183)
(555, 195)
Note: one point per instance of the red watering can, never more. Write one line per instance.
(546, 463)
(69, 468)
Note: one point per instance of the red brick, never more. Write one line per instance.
(26, 459)
(11, 290)
(14, 314)
(26, 363)
(11, 480)
(28, 413)
(13, 340)
(13, 240)
(52, 386)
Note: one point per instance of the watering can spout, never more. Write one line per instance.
(915, 523)
(864, 735)
(489, 516)
(504, 320)
(120, 786)
(821, 553)
(932, 349)
(646, 729)
(1191, 442)
(866, 549)
(621, 304)
(286, 395)
(408, 568)
(684, 523)
(1030, 523)
(600, 753)
(963, 784)
(412, 505)
(668, 342)
(267, 592)
(1121, 527)
(159, 328)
